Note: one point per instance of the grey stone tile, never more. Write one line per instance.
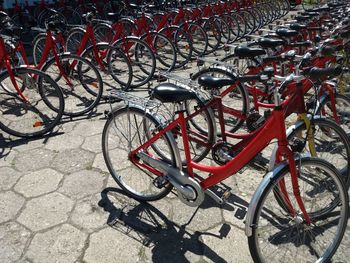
(70, 161)
(110, 245)
(7, 157)
(87, 214)
(82, 183)
(38, 182)
(61, 244)
(46, 211)
(33, 160)
(10, 204)
(64, 142)
(225, 244)
(13, 239)
(8, 177)
(93, 143)
(89, 128)
(99, 163)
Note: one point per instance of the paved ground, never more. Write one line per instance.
(59, 204)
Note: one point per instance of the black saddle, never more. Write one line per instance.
(113, 16)
(210, 82)
(306, 43)
(297, 26)
(320, 73)
(283, 32)
(247, 52)
(270, 43)
(169, 92)
(302, 18)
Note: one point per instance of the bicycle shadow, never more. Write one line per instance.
(168, 241)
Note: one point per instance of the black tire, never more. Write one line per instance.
(141, 57)
(237, 99)
(198, 37)
(182, 43)
(342, 104)
(104, 33)
(277, 236)
(213, 26)
(331, 144)
(82, 85)
(164, 50)
(116, 148)
(74, 39)
(41, 114)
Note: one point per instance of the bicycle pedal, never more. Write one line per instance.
(226, 195)
(160, 182)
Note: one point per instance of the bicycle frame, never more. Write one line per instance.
(274, 128)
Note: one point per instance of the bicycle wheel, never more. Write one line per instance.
(277, 236)
(141, 57)
(104, 33)
(342, 105)
(182, 43)
(213, 26)
(164, 50)
(80, 81)
(40, 114)
(330, 142)
(198, 36)
(39, 45)
(236, 100)
(233, 27)
(71, 15)
(113, 66)
(74, 38)
(248, 20)
(126, 129)
(242, 26)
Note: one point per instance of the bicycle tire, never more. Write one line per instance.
(198, 36)
(141, 57)
(163, 49)
(213, 28)
(116, 154)
(84, 91)
(238, 98)
(116, 66)
(182, 43)
(342, 105)
(45, 107)
(74, 39)
(289, 238)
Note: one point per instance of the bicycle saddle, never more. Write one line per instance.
(320, 73)
(302, 18)
(210, 82)
(113, 16)
(309, 13)
(169, 92)
(283, 32)
(321, 9)
(247, 52)
(270, 43)
(297, 26)
(306, 43)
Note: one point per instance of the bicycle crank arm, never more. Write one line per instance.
(189, 190)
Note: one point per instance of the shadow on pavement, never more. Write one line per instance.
(169, 242)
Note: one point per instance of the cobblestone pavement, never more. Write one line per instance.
(58, 203)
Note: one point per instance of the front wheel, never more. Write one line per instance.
(278, 236)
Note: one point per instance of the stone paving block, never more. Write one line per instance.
(87, 213)
(99, 163)
(7, 157)
(10, 204)
(64, 142)
(110, 245)
(46, 211)
(93, 143)
(8, 177)
(34, 160)
(22, 144)
(225, 244)
(38, 182)
(63, 244)
(70, 161)
(89, 128)
(82, 183)
(13, 239)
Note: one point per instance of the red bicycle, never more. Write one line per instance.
(280, 224)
